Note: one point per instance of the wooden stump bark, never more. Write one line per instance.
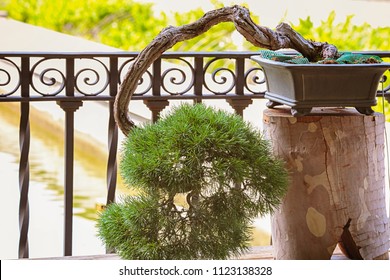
(337, 189)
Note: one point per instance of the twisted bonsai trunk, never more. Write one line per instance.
(283, 37)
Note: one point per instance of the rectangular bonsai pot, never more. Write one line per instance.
(303, 86)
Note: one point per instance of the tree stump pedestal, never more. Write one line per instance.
(337, 187)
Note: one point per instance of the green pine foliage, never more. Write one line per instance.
(204, 175)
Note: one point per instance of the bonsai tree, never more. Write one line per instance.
(202, 176)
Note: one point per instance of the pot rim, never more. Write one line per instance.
(385, 66)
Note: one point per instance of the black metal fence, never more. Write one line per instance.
(69, 79)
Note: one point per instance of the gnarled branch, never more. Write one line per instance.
(283, 37)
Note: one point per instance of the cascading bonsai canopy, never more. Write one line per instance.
(202, 176)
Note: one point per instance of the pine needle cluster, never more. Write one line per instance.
(203, 175)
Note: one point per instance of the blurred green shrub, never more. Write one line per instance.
(125, 24)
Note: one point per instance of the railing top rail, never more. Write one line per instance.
(54, 76)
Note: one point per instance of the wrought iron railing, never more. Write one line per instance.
(69, 79)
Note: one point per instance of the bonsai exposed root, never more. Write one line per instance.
(348, 245)
(283, 37)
